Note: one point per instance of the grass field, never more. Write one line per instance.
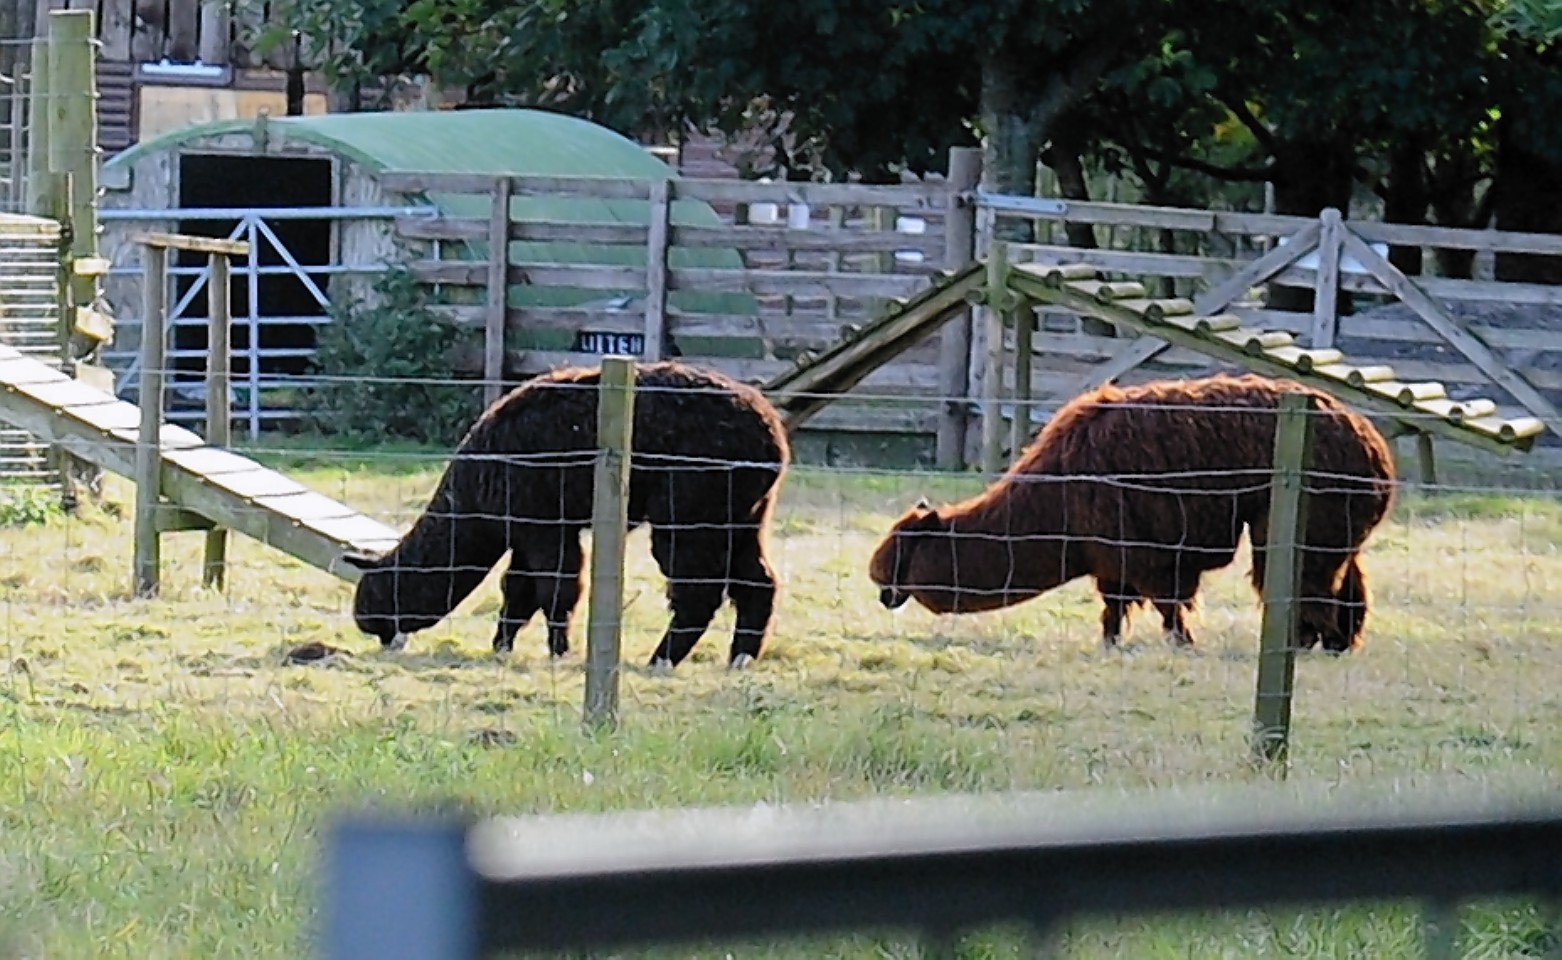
(165, 776)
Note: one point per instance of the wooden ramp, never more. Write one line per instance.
(232, 491)
(818, 380)
(1423, 407)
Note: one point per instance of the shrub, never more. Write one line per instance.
(386, 370)
(23, 505)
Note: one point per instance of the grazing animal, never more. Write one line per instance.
(706, 463)
(1144, 489)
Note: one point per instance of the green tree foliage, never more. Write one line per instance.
(1419, 101)
(385, 371)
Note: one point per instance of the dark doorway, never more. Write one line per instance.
(285, 309)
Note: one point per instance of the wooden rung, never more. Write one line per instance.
(91, 266)
(1205, 326)
(1254, 341)
(1335, 371)
(1408, 394)
(1304, 360)
(1458, 411)
(1519, 428)
(1059, 273)
(1155, 311)
(1377, 373)
(1109, 292)
(1522, 428)
(1474, 409)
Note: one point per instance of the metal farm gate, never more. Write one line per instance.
(29, 322)
(266, 372)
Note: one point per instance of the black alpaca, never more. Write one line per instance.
(706, 463)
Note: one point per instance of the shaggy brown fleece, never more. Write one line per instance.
(1145, 488)
(707, 460)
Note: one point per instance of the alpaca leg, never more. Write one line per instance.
(1119, 599)
(1329, 616)
(1351, 614)
(520, 603)
(1309, 628)
(1174, 622)
(555, 567)
(1173, 606)
(752, 586)
(695, 565)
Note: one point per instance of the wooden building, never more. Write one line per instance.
(166, 64)
(328, 202)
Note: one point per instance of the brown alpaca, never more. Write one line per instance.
(707, 462)
(1146, 488)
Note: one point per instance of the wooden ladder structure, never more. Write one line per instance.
(207, 486)
(819, 379)
(1420, 407)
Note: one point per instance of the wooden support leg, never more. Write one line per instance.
(1425, 460)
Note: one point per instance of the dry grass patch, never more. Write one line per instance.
(166, 772)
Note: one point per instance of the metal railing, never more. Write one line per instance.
(934, 867)
(254, 388)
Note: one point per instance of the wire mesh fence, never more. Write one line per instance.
(1457, 673)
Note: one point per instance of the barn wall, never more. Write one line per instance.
(153, 185)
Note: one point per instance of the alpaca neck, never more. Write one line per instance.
(1002, 548)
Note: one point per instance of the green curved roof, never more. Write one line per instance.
(447, 141)
(516, 142)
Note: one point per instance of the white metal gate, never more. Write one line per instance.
(30, 323)
(258, 399)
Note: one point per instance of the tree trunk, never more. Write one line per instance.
(1528, 198)
(1014, 138)
(1452, 198)
(1406, 200)
(1064, 157)
(1309, 176)
(1021, 106)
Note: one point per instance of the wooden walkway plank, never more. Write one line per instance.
(359, 531)
(232, 491)
(19, 371)
(172, 437)
(255, 483)
(105, 417)
(211, 461)
(63, 394)
(305, 507)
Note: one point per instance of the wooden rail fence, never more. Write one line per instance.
(754, 278)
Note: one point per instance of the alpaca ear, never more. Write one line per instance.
(363, 561)
(922, 505)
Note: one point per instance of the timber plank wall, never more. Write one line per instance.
(815, 275)
(1182, 252)
(750, 295)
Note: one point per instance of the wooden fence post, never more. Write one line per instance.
(1019, 424)
(996, 307)
(1425, 459)
(219, 416)
(496, 316)
(1326, 287)
(73, 136)
(656, 253)
(1282, 580)
(41, 192)
(609, 526)
(149, 460)
(965, 172)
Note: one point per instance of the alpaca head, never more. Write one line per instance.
(385, 593)
(890, 566)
